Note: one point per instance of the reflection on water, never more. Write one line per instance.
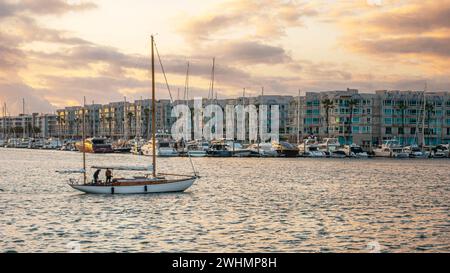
(260, 205)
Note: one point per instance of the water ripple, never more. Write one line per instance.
(239, 205)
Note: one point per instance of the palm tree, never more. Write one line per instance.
(327, 104)
(130, 119)
(351, 104)
(109, 119)
(77, 124)
(58, 120)
(402, 107)
(147, 121)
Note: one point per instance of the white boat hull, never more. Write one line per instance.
(197, 153)
(179, 186)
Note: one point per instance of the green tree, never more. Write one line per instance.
(327, 104)
(130, 119)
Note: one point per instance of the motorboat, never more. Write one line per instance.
(219, 149)
(415, 152)
(237, 149)
(391, 148)
(121, 146)
(338, 154)
(195, 149)
(52, 144)
(94, 145)
(310, 148)
(69, 146)
(36, 143)
(263, 150)
(285, 149)
(148, 180)
(355, 151)
(164, 148)
(329, 145)
(441, 151)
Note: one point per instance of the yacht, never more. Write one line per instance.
(310, 148)
(195, 149)
(121, 146)
(94, 145)
(263, 150)
(355, 151)
(329, 145)
(52, 144)
(236, 149)
(391, 148)
(338, 154)
(219, 149)
(415, 152)
(36, 143)
(285, 149)
(441, 151)
(164, 148)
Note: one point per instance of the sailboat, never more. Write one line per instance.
(148, 181)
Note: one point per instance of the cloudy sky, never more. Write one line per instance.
(54, 52)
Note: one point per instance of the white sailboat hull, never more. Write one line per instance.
(178, 186)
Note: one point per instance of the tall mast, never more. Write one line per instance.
(125, 119)
(4, 121)
(212, 79)
(93, 119)
(298, 117)
(84, 139)
(153, 110)
(424, 114)
(24, 119)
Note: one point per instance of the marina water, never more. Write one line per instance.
(239, 205)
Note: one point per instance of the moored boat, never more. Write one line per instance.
(355, 151)
(94, 145)
(285, 149)
(263, 150)
(310, 148)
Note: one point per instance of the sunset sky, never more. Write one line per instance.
(54, 52)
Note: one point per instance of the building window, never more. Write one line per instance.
(388, 130)
(388, 121)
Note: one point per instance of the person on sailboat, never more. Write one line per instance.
(96, 174)
(109, 175)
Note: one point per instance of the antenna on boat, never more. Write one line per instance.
(84, 139)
